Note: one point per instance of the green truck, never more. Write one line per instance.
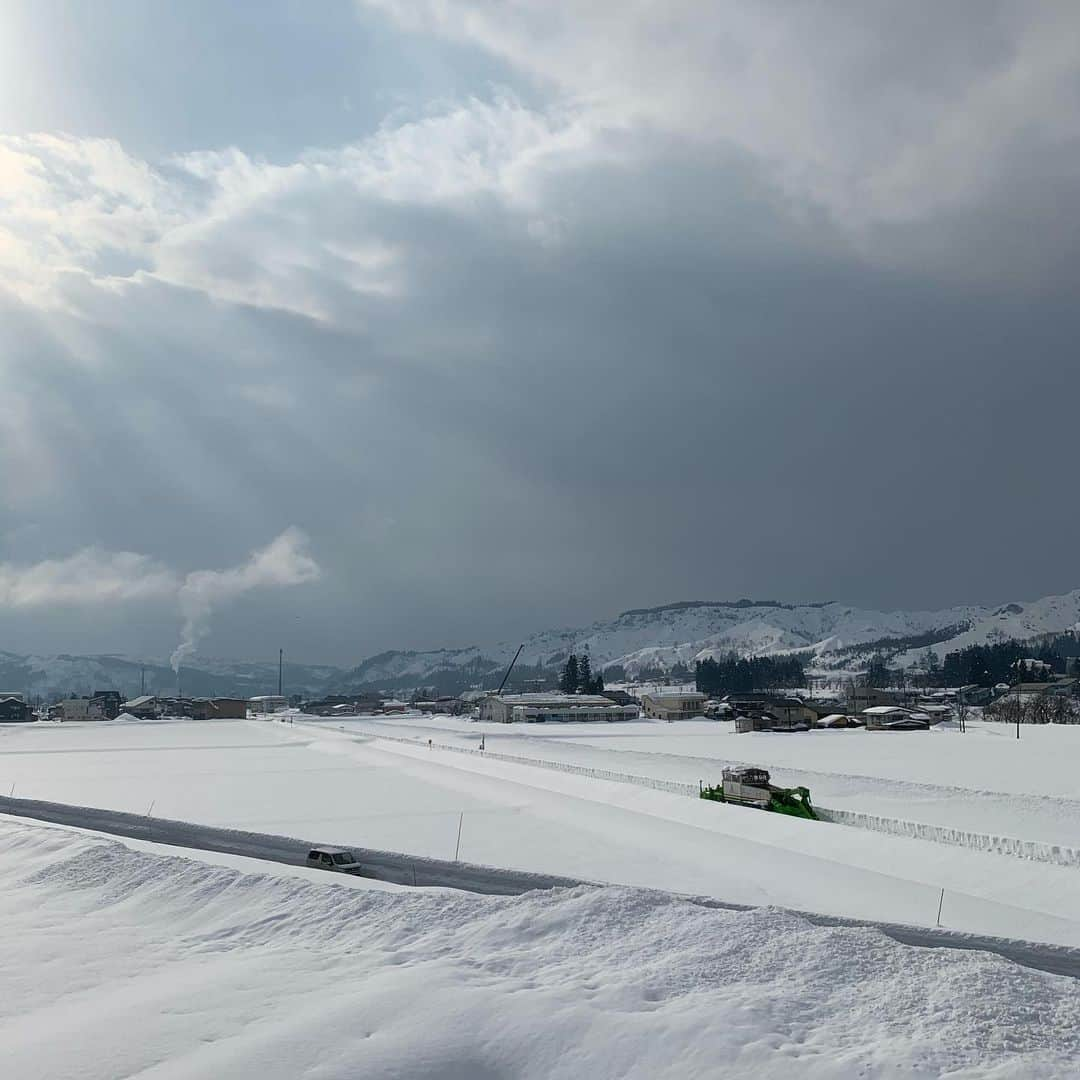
(748, 785)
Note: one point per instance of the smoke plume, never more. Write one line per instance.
(285, 561)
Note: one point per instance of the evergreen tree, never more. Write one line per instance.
(598, 683)
(568, 684)
(585, 679)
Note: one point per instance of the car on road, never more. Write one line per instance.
(339, 859)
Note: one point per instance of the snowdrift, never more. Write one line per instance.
(119, 962)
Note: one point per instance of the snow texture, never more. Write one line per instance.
(122, 962)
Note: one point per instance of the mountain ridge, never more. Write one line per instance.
(638, 641)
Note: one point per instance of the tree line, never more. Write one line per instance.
(733, 674)
(987, 665)
(578, 678)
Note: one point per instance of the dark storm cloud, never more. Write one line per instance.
(510, 366)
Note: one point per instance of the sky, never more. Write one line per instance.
(414, 323)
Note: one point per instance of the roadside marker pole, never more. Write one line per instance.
(941, 900)
(150, 808)
(457, 846)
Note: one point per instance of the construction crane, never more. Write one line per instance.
(510, 668)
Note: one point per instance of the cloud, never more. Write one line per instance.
(77, 206)
(96, 578)
(628, 325)
(90, 576)
(879, 114)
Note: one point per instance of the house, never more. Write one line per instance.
(109, 701)
(343, 704)
(78, 709)
(13, 709)
(268, 703)
(763, 721)
(145, 707)
(673, 705)
(894, 718)
(974, 694)
(835, 720)
(219, 708)
(555, 707)
(443, 706)
(937, 712)
(1038, 668)
(792, 714)
(873, 697)
(1060, 686)
(717, 710)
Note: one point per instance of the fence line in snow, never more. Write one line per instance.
(1036, 850)
(672, 786)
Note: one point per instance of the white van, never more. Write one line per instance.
(334, 858)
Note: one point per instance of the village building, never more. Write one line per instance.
(443, 706)
(13, 708)
(1061, 686)
(110, 702)
(873, 697)
(936, 711)
(894, 718)
(78, 709)
(221, 708)
(553, 707)
(343, 704)
(789, 713)
(673, 705)
(145, 707)
(268, 703)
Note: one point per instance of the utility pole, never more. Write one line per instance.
(1018, 678)
(142, 680)
(280, 658)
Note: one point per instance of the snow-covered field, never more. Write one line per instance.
(121, 961)
(343, 783)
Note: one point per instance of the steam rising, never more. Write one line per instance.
(285, 561)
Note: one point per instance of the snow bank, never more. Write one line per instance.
(119, 962)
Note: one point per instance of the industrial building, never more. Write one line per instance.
(559, 708)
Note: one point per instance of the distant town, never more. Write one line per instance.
(758, 694)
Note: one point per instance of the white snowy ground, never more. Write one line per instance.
(121, 962)
(983, 780)
(338, 786)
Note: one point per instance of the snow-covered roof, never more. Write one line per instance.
(675, 695)
(884, 710)
(139, 702)
(555, 700)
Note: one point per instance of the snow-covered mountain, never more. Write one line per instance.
(650, 638)
(46, 676)
(639, 641)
